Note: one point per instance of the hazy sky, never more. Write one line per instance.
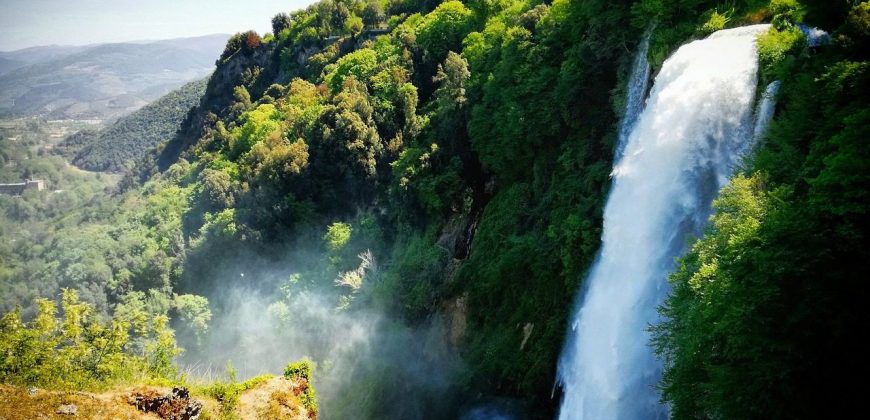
(26, 23)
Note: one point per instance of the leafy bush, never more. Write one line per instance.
(775, 49)
(337, 236)
(715, 22)
(78, 351)
(301, 373)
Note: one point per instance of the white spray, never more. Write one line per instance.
(764, 112)
(698, 120)
(638, 83)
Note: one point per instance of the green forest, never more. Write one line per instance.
(132, 136)
(410, 193)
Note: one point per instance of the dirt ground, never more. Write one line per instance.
(20, 404)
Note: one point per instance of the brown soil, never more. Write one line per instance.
(274, 399)
(18, 403)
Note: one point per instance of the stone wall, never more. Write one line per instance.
(20, 187)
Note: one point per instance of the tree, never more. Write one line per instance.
(257, 125)
(340, 14)
(353, 25)
(350, 130)
(216, 189)
(451, 77)
(276, 159)
(373, 14)
(246, 42)
(194, 311)
(337, 236)
(280, 22)
(361, 64)
(78, 350)
(443, 29)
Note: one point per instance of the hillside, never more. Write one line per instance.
(104, 81)
(130, 138)
(11, 60)
(415, 196)
(7, 65)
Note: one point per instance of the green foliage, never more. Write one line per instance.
(348, 126)
(301, 369)
(856, 31)
(353, 25)
(412, 283)
(373, 13)
(776, 50)
(785, 12)
(244, 42)
(132, 136)
(302, 372)
(715, 22)
(78, 351)
(489, 122)
(227, 393)
(257, 125)
(280, 22)
(765, 306)
(277, 159)
(194, 311)
(443, 29)
(337, 236)
(360, 64)
(215, 189)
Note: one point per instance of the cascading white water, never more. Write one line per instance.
(697, 121)
(636, 87)
(764, 111)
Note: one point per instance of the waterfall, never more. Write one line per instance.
(638, 83)
(764, 111)
(697, 122)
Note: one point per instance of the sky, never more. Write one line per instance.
(28, 23)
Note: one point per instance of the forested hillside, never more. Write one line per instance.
(410, 192)
(132, 136)
(11, 60)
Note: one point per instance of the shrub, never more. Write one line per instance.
(300, 372)
(78, 351)
(774, 47)
(715, 22)
(337, 236)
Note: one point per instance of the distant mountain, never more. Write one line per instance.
(103, 81)
(7, 65)
(12, 60)
(133, 135)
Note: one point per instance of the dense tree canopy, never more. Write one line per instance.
(446, 164)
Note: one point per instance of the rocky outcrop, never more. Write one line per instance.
(176, 405)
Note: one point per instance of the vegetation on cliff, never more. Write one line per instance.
(767, 305)
(379, 176)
